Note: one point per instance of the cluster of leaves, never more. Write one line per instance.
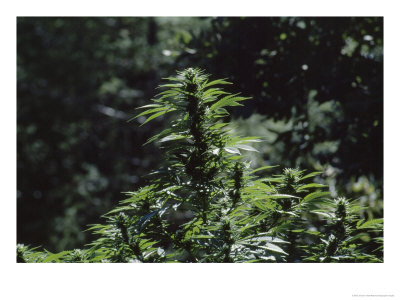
(208, 205)
(319, 107)
(318, 83)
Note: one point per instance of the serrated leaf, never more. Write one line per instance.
(210, 94)
(232, 150)
(260, 205)
(246, 147)
(264, 238)
(222, 102)
(155, 137)
(149, 111)
(314, 195)
(260, 217)
(149, 105)
(218, 81)
(282, 196)
(357, 237)
(217, 126)
(172, 137)
(157, 115)
(249, 139)
(228, 101)
(261, 186)
(55, 256)
(310, 175)
(262, 168)
(273, 248)
(324, 214)
(370, 223)
(220, 112)
(311, 185)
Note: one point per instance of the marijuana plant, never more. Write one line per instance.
(230, 212)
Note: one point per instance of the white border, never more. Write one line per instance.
(247, 281)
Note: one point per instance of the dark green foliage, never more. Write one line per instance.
(206, 204)
(79, 79)
(316, 84)
(321, 77)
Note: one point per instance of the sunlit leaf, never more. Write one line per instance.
(311, 185)
(370, 223)
(314, 195)
(157, 115)
(232, 150)
(218, 81)
(310, 175)
(246, 147)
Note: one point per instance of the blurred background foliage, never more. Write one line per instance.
(316, 83)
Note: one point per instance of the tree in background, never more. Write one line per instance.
(79, 81)
(316, 82)
(320, 79)
(230, 213)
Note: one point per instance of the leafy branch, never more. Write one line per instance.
(230, 212)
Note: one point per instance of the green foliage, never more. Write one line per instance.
(316, 84)
(206, 204)
(79, 79)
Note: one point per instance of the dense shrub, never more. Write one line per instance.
(206, 204)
